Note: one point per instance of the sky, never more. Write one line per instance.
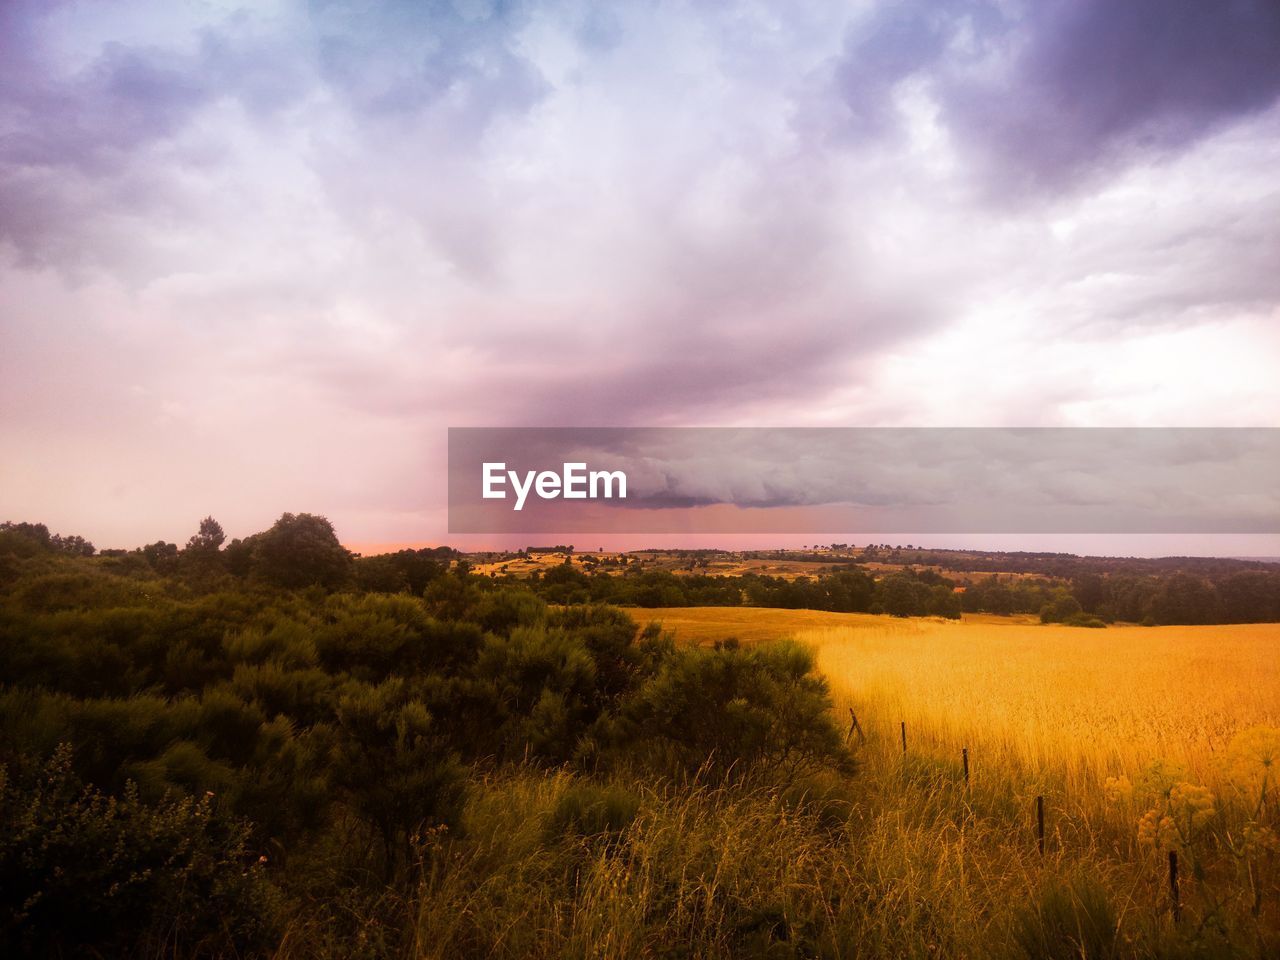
(259, 257)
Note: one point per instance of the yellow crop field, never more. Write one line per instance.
(1141, 742)
(748, 624)
(1084, 703)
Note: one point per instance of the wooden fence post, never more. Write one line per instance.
(1040, 823)
(1174, 898)
(904, 738)
(964, 755)
(855, 727)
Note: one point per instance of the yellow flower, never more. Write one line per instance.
(1160, 777)
(1253, 759)
(1157, 830)
(1117, 789)
(1259, 840)
(1178, 818)
(1149, 828)
(1191, 804)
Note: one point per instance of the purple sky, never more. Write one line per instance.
(257, 257)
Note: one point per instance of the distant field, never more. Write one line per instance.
(731, 566)
(721, 565)
(748, 624)
(751, 624)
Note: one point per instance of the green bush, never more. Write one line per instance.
(1083, 620)
(738, 711)
(394, 769)
(1060, 607)
(543, 684)
(85, 873)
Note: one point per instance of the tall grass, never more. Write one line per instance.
(708, 872)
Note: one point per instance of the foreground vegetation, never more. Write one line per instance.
(270, 748)
(209, 763)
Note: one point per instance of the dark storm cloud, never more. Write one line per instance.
(1051, 92)
(1102, 81)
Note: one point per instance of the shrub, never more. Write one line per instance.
(393, 768)
(543, 684)
(823, 795)
(735, 711)
(1083, 620)
(501, 610)
(86, 873)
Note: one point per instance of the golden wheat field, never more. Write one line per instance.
(1084, 703)
(1141, 741)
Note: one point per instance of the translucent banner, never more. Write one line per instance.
(863, 480)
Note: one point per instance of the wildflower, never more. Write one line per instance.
(1258, 746)
(1157, 830)
(1160, 777)
(1253, 760)
(1191, 805)
(1259, 840)
(1117, 789)
(1178, 819)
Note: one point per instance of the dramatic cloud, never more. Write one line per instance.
(1048, 92)
(1097, 80)
(259, 257)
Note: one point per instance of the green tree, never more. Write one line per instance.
(161, 556)
(301, 550)
(208, 540)
(944, 602)
(1184, 598)
(904, 596)
(73, 545)
(1060, 606)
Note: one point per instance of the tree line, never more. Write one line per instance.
(1091, 599)
(301, 549)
